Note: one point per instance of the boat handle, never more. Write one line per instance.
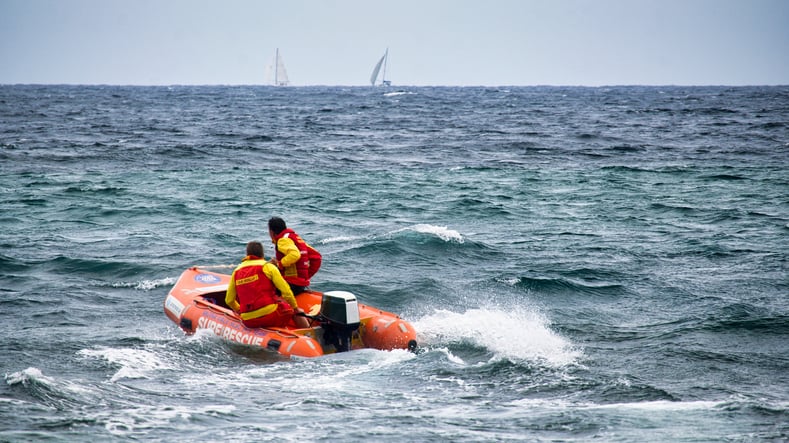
(284, 332)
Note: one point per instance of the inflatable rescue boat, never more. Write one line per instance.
(338, 322)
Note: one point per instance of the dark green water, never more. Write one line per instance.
(581, 264)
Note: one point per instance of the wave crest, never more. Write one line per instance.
(146, 285)
(515, 335)
(28, 376)
(442, 232)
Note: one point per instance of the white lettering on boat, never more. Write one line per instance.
(228, 331)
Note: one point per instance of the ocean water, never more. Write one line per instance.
(581, 264)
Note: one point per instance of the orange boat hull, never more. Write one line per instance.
(196, 301)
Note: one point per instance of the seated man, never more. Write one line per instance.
(252, 293)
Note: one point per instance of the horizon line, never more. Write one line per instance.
(544, 85)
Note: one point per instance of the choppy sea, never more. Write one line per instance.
(581, 264)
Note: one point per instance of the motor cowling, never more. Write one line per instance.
(339, 317)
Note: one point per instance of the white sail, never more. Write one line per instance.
(277, 75)
(377, 70)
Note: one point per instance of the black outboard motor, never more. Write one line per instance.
(339, 317)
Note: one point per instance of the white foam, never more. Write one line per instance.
(146, 285)
(396, 93)
(334, 373)
(134, 363)
(450, 356)
(340, 239)
(364, 361)
(33, 374)
(515, 335)
(28, 375)
(442, 232)
(661, 405)
(545, 404)
(205, 335)
(137, 421)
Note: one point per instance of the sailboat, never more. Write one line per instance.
(276, 71)
(377, 70)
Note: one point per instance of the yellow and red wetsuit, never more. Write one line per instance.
(252, 293)
(293, 258)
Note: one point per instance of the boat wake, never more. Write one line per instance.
(517, 335)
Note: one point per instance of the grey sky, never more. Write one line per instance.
(431, 42)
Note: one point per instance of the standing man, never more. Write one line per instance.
(252, 292)
(297, 260)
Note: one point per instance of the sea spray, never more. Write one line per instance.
(518, 335)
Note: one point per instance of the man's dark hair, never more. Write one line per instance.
(255, 248)
(276, 225)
